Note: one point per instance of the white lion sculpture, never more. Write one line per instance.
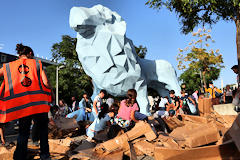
(110, 59)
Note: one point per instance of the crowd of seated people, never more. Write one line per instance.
(106, 111)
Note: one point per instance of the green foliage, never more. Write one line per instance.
(141, 51)
(72, 78)
(192, 78)
(191, 13)
(198, 61)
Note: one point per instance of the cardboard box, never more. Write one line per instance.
(121, 142)
(145, 147)
(194, 119)
(204, 106)
(173, 122)
(195, 136)
(214, 152)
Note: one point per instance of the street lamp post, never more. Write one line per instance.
(57, 69)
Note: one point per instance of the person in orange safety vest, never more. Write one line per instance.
(25, 94)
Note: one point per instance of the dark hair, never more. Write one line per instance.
(172, 92)
(104, 110)
(114, 108)
(166, 97)
(23, 50)
(62, 101)
(54, 109)
(235, 67)
(131, 97)
(103, 91)
(85, 93)
(183, 92)
(171, 112)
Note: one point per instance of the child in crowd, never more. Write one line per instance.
(127, 109)
(98, 101)
(100, 122)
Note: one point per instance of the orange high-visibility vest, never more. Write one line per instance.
(23, 92)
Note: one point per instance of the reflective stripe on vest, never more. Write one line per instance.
(23, 92)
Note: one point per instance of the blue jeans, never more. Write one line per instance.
(140, 116)
(81, 115)
(41, 122)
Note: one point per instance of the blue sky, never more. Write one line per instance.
(41, 23)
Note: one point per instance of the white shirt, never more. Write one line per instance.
(163, 102)
(99, 101)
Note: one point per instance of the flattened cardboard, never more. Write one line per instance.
(234, 131)
(194, 119)
(215, 152)
(197, 135)
(173, 122)
(55, 147)
(141, 128)
(121, 142)
(145, 147)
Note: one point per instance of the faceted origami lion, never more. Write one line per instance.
(110, 59)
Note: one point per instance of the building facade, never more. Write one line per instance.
(5, 58)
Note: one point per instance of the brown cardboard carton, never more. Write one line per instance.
(197, 135)
(234, 131)
(86, 154)
(226, 120)
(204, 106)
(55, 147)
(194, 119)
(145, 147)
(173, 122)
(214, 152)
(167, 141)
(121, 142)
(141, 128)
(6, 153)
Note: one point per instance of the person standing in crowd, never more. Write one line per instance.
(236, 94)
(195, 95)
(188, 104)
(36, 131)
(228, 96)
(235, 70)
(25, 84)
(75, 104)
(87, 106)
(98, 101)
(214, 93)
